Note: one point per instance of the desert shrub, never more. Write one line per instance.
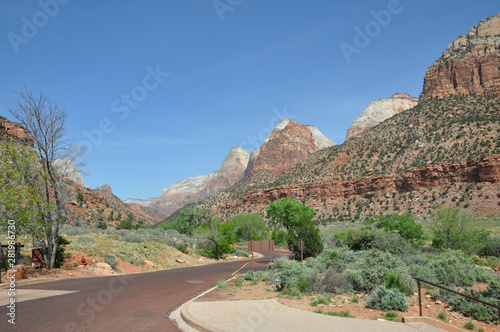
(478, 310)
(383, 241)
(86, 240)
(336, 282)
(289, 272)
(241, 252)
(452, 269)
(72, 230)
(111, 260)
(420, 266)
(132, 238)
(387, 299)
(251, 275)
(369, 271)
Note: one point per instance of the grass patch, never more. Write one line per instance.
(222, 284)
(470, 325)
(340, 314)
(238, 282)
(320, 299)
(443, 315)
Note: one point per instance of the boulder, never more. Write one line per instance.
(148, 263)
(19, 271)
(105, 266)
(180, 261)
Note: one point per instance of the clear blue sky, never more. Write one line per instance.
(175, 84)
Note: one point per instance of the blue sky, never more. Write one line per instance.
(161, 90)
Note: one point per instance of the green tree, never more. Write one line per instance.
(454, 229)
(403, 224)
(219, 235)
(22, 190)
(296, 218)
(250, 227)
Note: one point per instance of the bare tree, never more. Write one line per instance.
(47, 123)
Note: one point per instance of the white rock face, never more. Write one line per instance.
(379, 111)
(190, 184)
(67, 168)
(320, 139)
(141, 202)
(200, 187)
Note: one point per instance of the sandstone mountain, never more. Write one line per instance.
(470, 64)
(121, 209)
(445, 150)
(287, 144)
(200, 187)
(380, 110)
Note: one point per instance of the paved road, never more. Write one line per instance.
(137, 302)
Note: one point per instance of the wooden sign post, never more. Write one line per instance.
(301, 246)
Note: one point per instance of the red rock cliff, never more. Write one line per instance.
(469, 65)
(13, 130)
(485, 170)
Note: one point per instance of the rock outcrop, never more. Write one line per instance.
(470, 64)
(197, 188)
(67, 168)
(15, 131)
(485, 170)
(288, 144)
(380, 110)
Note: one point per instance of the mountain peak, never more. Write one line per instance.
(469, 64)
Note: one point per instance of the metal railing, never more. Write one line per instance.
(449, 290)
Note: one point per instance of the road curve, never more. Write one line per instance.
(135, 302)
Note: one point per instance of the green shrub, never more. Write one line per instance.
(241, 252)
(132, 238)
(183, 247)
(388, 299)
(368, 239)
(61, 248)
(238, 282)
(320, 299)
(111, 260)
(394, 281)
(302, 284)
(470, 325)
(443, 315)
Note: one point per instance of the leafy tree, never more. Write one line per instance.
(187, 220)
(111, 216)
(46, 121)
(250, 227)
(22, 190)
(127, 223)
(278, 236)
(296, 218)
(219, 235)
(403, 224)
(454, 229)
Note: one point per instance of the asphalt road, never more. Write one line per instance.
(136, 302)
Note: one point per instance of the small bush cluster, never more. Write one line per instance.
(387, 299)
